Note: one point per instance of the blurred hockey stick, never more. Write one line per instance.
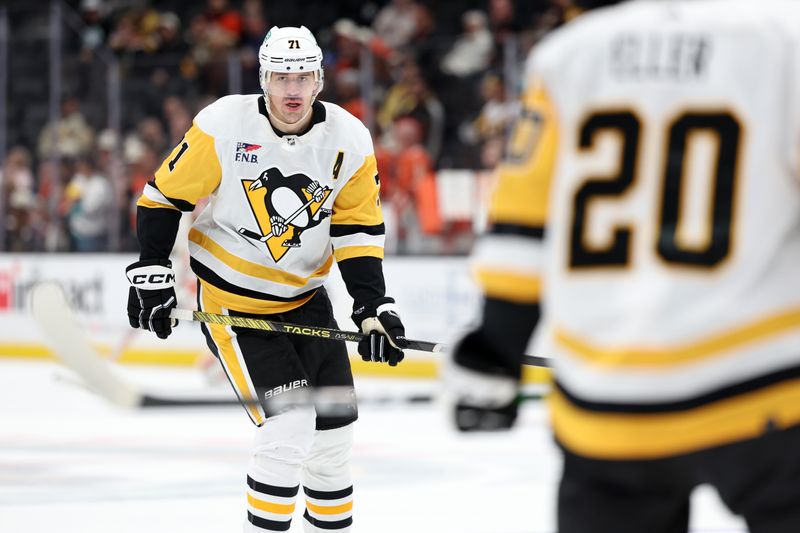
(65, 337)
(314, 331)
(331, 401)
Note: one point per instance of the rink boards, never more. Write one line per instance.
(436, 297)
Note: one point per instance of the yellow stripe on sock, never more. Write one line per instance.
(277, 508)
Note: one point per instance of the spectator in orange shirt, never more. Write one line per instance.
(348, 93)
(224, 20)
(416, 198)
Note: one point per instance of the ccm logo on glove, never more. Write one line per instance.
(151, 277)
(152, 296)
(156, 279)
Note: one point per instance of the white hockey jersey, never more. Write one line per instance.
(651, 201)
(282, 207)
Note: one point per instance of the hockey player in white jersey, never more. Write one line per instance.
(649, 211)
(293, 186)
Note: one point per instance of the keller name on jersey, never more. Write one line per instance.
(677, 56)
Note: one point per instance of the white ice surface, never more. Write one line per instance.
(69, 463)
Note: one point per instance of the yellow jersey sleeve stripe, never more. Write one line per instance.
(522, 191)
(254, 269)
(707, 348)
(348, 252)
(270, 507)
(510, 286)
(329, 509)
(192, 170)
(151, 204)
(358, 202)
(647, 436)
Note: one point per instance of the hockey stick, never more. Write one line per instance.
(314, 331)
(65, 337)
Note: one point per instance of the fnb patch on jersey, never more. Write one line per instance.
(245, 152)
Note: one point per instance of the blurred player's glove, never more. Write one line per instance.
(152, 296)
(485, 392)
(385, 338)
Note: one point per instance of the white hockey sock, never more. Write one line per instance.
(273, 478)
(327, 482)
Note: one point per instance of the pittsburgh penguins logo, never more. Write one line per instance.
(284, 207)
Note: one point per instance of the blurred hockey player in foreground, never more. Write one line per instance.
(293, 185)
(649, 211)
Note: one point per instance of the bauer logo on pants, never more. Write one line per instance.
(296, 384)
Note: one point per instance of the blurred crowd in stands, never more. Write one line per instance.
(434, 81)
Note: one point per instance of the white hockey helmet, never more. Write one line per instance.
(290, 50)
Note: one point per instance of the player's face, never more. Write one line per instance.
(290, 95)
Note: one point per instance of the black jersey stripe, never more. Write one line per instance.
(209, 276)
(328, 495)
(183, 205)
(342, 230)
(268, 525)
(730, 391)
(324, 524)
(533, 232)
(272, 490)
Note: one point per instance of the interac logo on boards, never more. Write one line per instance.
(85, 296)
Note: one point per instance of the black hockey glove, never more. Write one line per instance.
(385, 338)
(152, 296)
(486, 393)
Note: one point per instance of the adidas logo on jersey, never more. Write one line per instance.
(245, 152)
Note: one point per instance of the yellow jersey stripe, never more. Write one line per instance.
(144, 201)
(349, 252)
(254, 269)
(328, 510)
(714, 346)
(511, 286)
(230, 358)
(246, 304)
(270, 507)
(647, 436)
